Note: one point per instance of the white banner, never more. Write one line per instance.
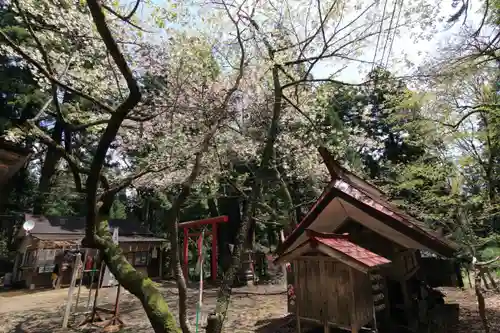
(108, 278)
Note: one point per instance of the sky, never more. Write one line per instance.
(403, 45)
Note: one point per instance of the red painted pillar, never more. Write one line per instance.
(214, 252)
(186, 250)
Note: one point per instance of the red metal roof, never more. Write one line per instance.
(341, 243)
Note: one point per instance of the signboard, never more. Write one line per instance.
(46, 269)
(154, 253)
(109, 279)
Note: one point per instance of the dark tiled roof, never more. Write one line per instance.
(133, 239)
(60, 237)
(341, 244)
(76, 225)
(79, 237)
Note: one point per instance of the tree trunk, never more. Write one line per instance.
(224, 293)
(225, 288)
(228, 232)
(157, 310)
(289, 200)
(180, 279)
(48, 170)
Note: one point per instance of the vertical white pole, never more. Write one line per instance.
(160, 255)
(74, 274)
(200, 298)
(283, 266)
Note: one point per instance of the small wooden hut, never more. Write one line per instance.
(332, 281)
(53, 236)
(403, 298)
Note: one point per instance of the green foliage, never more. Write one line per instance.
(396, 148)
(118, 210)
(381, 118)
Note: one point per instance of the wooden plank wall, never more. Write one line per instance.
(324, 289)
(308, 288)
(363, 293)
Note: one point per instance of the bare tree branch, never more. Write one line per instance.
(474, 110)
(127, 18)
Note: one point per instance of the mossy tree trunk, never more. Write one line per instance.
(98, 204)
(97, 230)
(156, 308)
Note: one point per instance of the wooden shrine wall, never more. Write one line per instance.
(328, 290)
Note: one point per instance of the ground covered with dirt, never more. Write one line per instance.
(469, 316)
(253, 309)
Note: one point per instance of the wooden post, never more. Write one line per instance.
(406, 299)
(60, 273)
(94, 306)
(160, 254)
(326, 327)
(78, 261)
(354, 319)
(298, 299)
(323, 281)
(468, 275)
(16, 267)
(117, 304)
(92, 275)
(387, 313)
(375, 324)
(81, 281)
(480, 301)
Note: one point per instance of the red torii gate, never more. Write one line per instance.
(191, 224)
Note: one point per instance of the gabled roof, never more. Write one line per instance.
(366, 197)
(12, 158)
(338, 247)
(75, 225)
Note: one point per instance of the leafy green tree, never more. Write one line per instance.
(395, 147)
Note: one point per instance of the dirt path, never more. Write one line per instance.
(43, 312)
(469, 316)
(251, 309)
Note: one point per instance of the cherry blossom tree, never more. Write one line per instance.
(290, 40)
(174, 107)
(106, 73)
